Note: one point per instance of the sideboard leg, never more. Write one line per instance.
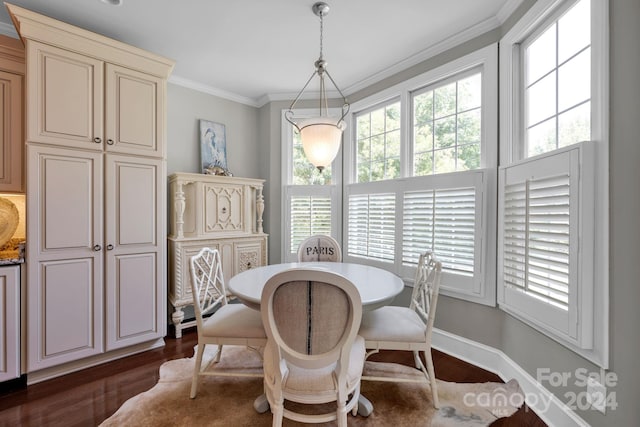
(177, 317)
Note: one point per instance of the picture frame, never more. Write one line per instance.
(213, 145)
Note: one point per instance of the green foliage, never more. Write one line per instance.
(447, 131)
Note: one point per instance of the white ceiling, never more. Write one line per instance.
(252, 51)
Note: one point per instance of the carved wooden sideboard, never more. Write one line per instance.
(218, 212)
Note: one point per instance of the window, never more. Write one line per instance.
(557, 79)
(378, 139)
(311, 199)
(421, 159)
(553, 178)
(447, 124)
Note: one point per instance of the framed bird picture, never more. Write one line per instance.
(213, 145)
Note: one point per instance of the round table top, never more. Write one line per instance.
(377, 287)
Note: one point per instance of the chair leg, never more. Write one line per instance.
(341, 414)
(416, 359)
(432, 379)
(196, 370)
(277, 409)
(219, 353)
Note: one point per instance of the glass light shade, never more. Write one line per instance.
(321, 139)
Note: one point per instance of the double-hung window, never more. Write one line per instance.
(552, 253)
(420, 163)
(311, 199)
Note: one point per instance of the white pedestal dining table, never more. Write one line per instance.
(377, 288)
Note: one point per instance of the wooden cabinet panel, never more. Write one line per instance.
(135, 200)
(135, 247)
(247, 255)
(65, 311)
(223, 208)
(132, 300)
(65, 260)
(65, 103)
(133, 109)
(66, 186)
(9, 323)
(11, 141)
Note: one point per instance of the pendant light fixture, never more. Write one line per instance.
(321, 135)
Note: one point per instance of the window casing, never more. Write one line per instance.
(553, 178)
(391, 217)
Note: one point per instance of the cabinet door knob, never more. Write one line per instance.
(110, 141)
(224, 210)
(97, 140)
(97, 248)
(249, 265)
(109, 247)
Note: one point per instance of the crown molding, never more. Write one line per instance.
(507, 10)
(220, 93)
(431, 51)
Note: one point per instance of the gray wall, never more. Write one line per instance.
(185, 107)
(254, 151)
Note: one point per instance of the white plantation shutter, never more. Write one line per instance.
(308, 210)
(444, 222)
(537, 238)
(371, 226)
(310, 215)
(454, 234)
(395, 221)
(540, 230)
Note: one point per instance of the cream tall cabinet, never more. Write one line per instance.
(219, 212)
(96, 196)
(9, 322)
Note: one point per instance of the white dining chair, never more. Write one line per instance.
(408, 328)
(319, 247)
(313, 354)
(219, 322)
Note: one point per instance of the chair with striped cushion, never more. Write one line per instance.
(408, 328)
(313, 354)
(226, 324)
(319, 248)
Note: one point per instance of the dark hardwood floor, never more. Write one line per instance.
(88, 397)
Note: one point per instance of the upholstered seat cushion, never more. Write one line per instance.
(319, 382)
(234, 320)
(391, 323)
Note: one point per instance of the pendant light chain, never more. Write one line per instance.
(321, 32)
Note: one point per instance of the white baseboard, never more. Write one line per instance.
(546, 405)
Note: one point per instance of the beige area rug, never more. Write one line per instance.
(228, 401)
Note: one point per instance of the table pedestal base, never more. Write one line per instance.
(261, 404)
(365, 407)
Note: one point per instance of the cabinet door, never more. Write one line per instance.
(135, 240)
(223, 209)
(65, 97)
(134, 111)
(9, 323)
(11, 141)
(65, 256)
(248, 254)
